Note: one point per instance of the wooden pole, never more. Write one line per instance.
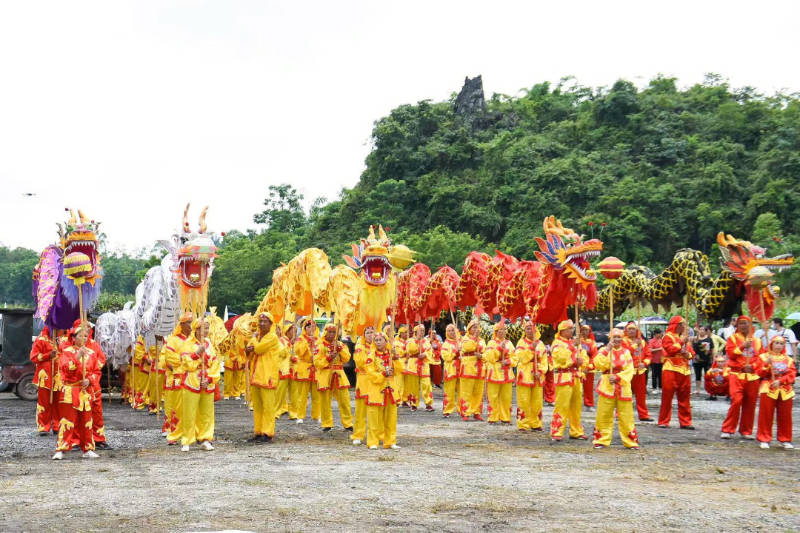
(610, 306)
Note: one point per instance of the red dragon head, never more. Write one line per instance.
(565, 250)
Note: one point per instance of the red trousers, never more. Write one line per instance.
(766, 411)
(46, 413)
(639, 388)
(98, 427)
(588, 389)
(75, 430)
(744, 395)
(549, 387)
(675, 383)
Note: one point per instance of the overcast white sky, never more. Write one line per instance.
(130, 109)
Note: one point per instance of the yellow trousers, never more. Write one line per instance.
(472, 395)
(604, 424)
(569, 403)
(382, 425)
(263, 410)
(299, 394)
(529, 407)
(140, 388)
(343, 400)
(156, 391)
(175, 413)
(198, 417)
(412, 385)
(499, 401)
(281, 401)
(234, 383)
(450, 396)
(360, 423)
(316, 402)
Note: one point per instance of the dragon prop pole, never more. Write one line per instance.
(159, 347)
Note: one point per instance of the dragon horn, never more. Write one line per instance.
(382, 234)
(203, 227)
(60, 230)
(83, 218)
(371, 236)
(186, 228)
(72, 220)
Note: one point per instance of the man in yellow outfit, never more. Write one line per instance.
(614, 392)
(264, 351)
(417, 374)
(303, 373)
(471, 378)
(173, 383)
(382, 371)
(531, 370)
(285, 371)
(451, 361)
(235, 370)
(201, 368)
(568, 363)
(157, 375)
(360, 355)
(500, 362)
(141, 375)
(331, 380)
(398, 348)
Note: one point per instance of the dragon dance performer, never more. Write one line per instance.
(265, 352)
(473, 374)
(282, 401)
(141, 375)
(531, 356)
(417, 374)
(676, 374)
(383, 370)
(550, 380)
(98, 425)
(716, 379)
(436, 356)
(451, 362)
(157, 376)
(360, 355)
(569, 362)
(201, 369)
(332, 382)
(500, 363)
(235, 370)
(614, 393)
(399, 349)
(173, 379)
(303, 373)
(590, 346)
(79, 370)
(778, 371)
(44, 354)
(742, 349)
(634, 342)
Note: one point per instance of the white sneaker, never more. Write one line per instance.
(58, 456)
(764, 445)
(373, 447)
(726, 435)
(90, 455)
(356, 442)
(299, 421)
(787, 445)
(394, 447)
(206, 446)
(749, 437)
(185, 448)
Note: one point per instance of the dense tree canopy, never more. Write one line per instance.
(663, 167)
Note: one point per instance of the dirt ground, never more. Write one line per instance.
(449, 475)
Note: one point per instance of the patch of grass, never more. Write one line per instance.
(386, 458)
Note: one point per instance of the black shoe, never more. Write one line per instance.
(265, 438)
(646, 420)
(102, 446)
(326, 429)
(350, 429)
(44, 433)
(255, 438)
(688, 427)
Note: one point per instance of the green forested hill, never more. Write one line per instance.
(663, 167)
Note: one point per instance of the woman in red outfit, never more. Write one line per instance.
(742, 349)
(778, 372)
(79, 368)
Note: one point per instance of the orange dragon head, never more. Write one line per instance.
(565, 250)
